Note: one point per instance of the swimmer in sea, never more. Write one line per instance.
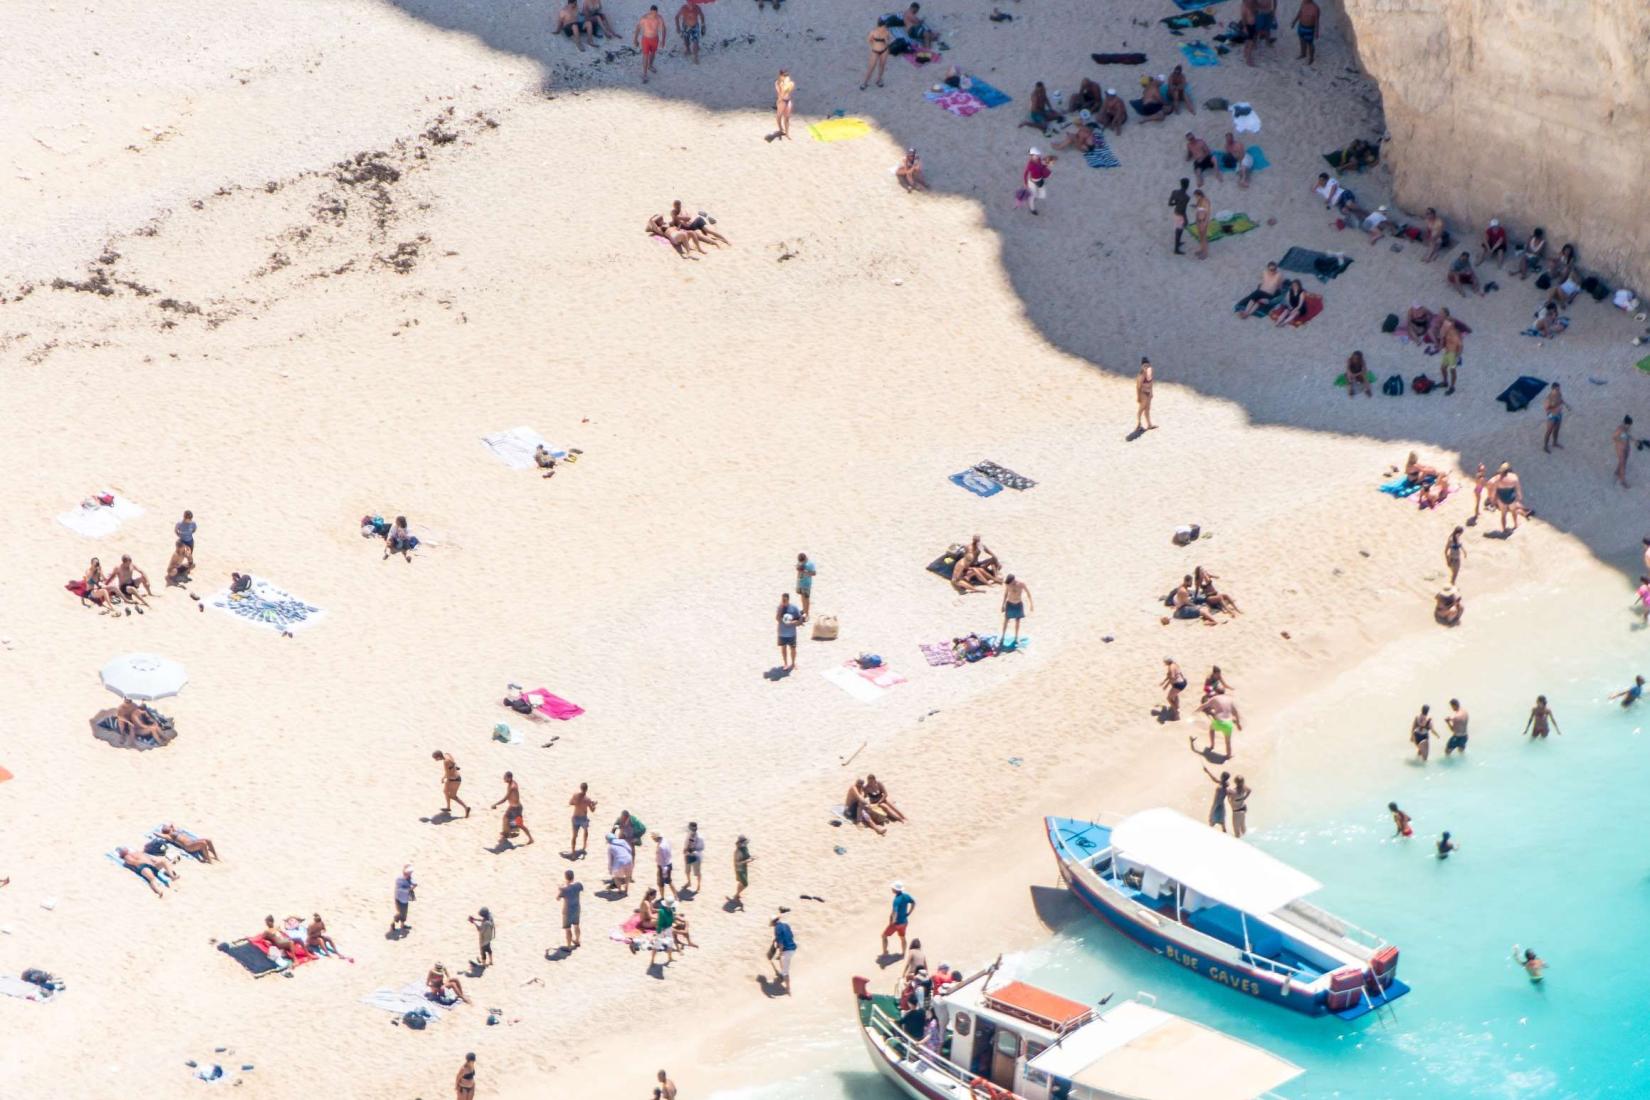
(1400, 820)
(1456, 720)
(1446, 846)
(1422, 733)
(1540, 716)
(1534, 965)
(1631, 695)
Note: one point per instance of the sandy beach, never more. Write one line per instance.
(288, 268)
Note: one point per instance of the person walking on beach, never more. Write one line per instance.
(1203, 211)
(783, 89)
(1179, 200)
(1238, 800)
(1034, 177)
(1422, 733)
(450, 780)
(1555, 419)
(1622, 437)
(1174, 682)
(787, 617)
(1456, 720)
(1143, 396)
(583, 806)
(691, 26)
(405, 892)
(805, 573)
(513, 817)
(1016, 598)
(649, 35)
(1453, 552)
(878, 40)
(741, 870)
(185, 531)
(1479, 482)
(693, 851)
(1630, 695)
(1400, 821)
(485, 931)
(464, 1085)
(1223, 719)
(568, 894)
(1217, 809)
(1306, 29)
(1540, 717)
(899, 917)
(1509, 494)
(782, 950)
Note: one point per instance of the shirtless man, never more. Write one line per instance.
(1266, 21)
(691, 25)
(857, 810)
(1306, 29)
(125, 578)
(877, 795)
(134, 721)
(450, 779)
(1223, 719)
(1177, 91)
(1270, 286)
(650, 35)
(595, 19)
(878, 41)
(1456, 720)
(984, 559)
(1242, 162)
(1622, 438)
(697, 224)
(1016, 602)
(1203, 211)
(679, 239)
(1251, 34)
(1450, 332)
(195, 846)
(571, 24)
(1157, 108)
(1113, 112)
(583, 806)
(1187, 608)
(1435, 233)
(146, 866)
(1197, 151)
(513, 819)
(1540, 717)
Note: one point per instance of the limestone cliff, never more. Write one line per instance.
(1536, 111)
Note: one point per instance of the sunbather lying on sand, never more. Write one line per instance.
(679, 239)
(443, 987)
(699, 224)
(146, 867)
(1081, 137)
(293, 950)
(1268, 289)
(1433, 493)
(195, 846)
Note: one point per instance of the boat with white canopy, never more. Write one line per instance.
(1226, 910)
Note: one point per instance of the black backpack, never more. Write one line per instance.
(1393, 386)
(1390, 324)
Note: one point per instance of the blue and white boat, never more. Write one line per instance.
(1226, 910)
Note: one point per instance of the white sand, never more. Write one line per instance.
(732, 411)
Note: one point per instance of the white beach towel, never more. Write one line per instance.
(1246, 123)
(101, 520)
(267, 605)
(854, 684)
(17, 987)
(409, 998)
(515, 448)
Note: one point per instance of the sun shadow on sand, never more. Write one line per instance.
(1055, 907)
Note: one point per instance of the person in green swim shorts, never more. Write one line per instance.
(1223, 719)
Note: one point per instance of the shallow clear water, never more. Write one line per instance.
(1552, 856)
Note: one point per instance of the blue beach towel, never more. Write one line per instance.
(986, 94)
(1200, 54)
(1401, 487)
(976, 483)
(1226, 164)
(1101, 155)
(1194, 5)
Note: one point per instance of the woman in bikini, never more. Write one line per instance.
(783, 89)
(1205, 592)
(1453, 551)
(878, 39)
(464, 1085)
(1174, 682)
(698, 224)
(1143, 397)
(1540, 717)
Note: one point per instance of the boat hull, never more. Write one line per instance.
(901, 1075)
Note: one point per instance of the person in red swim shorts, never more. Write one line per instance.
(650, 35)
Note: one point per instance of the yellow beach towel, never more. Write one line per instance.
(839, 129)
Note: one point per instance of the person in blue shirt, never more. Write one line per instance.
(805, 573)
(899, 916)
(783, 949)
(787, 617)
(1632, 694)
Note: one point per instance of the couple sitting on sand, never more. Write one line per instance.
(140, 725)
(119, 586)
(1197, 598)
(868, 804)
(681, 230)
(579, 22)
(977, 566)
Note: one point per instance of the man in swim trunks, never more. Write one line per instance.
(583, 806)
(1533, 965)
(1446, 846)
(1422, 733)
(1015, 598)
(513, 819)
(1540, 715)
(697, 225)
(1632, 694)
(1306, 29)
(878, 41)
(146, 868)
(1456, 720)
(450, 779)
(1197, 151)
(1223, 719)
(650, 35)
(691, 25)
(1450, 338)
(1555, 406)
(1269, 287)
(1266, 21)
(570, 24)
(1153, 107)
(125, 578)
(1113, 113)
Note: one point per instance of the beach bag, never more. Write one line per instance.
(1187, 534)
(899, 45)
(1390, 324)
(825, 628)
(1544, 283)
(869, 660)
(1421, 384)
(416, 1019)
(1393, 386)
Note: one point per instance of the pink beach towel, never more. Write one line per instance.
(882, 676)
(552, 706)
(961, 104)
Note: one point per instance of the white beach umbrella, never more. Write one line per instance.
(144, 676)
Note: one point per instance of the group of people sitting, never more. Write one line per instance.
(580, 21)
(685, 232)
(1196, 597)
(670, 933)
(867, 803)
(139, 726)
(1093, 109)
(116, 590)
(977, 568)
(1283, 300)
(398, 539)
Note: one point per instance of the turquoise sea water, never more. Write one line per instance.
(1553, 856)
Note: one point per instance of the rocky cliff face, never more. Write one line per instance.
(1536, 111)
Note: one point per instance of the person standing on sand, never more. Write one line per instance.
(693, 851)
(1179, 200)
(450, 780)
(1251, 36)
(1143, 396)
(1540, 716)
(741, 870)
(805, 573)
(1306, 29)
(878, 40)
(1400, 821)
(1623, 440)
(1456, 720)
(665, 859)
(1453, 552)
(1223, 719)
(691, 26)
(405, 892)
(649, 35)
(464, 1085)
(1450, 337)
(784, 88)
(1016, 599)
(513, 817)
(1509, 494)
(1555, 419)
(787, 617)
(583, 806)
(899, 917)
(1421, 733)
(1034, 177)
(185, 530)
(568, 894)
(485, 931)
(1239, 802)
(782, 950)
(1174, 682)
(1202, 212)
(1223, 789)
